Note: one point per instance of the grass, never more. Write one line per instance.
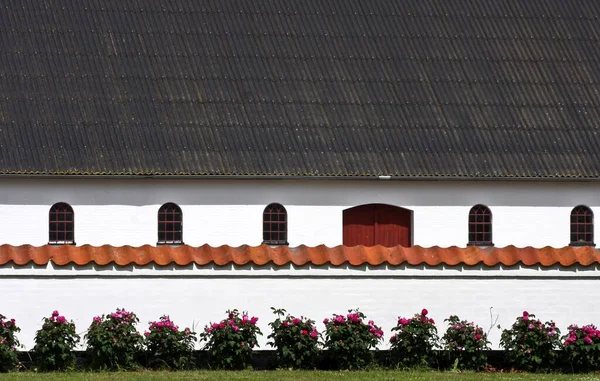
(294, 376)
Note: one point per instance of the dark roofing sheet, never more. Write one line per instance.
(432, 88)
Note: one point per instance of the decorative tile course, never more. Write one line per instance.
(299, 256)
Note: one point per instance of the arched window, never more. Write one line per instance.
(480, 226)
(61, 227)
(170, 225)
(275, 225)
(582, 226)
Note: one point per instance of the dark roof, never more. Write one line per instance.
(461, 88)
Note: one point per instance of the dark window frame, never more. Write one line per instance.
(581, 226)
(480, 226)
(61, 224)
(275, 225)
(170, 224)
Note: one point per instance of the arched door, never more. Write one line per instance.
(377, 224)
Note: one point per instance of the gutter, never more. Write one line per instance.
(297, 177)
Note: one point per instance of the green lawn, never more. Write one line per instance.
(295, 376)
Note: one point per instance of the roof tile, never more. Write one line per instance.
(299, 256)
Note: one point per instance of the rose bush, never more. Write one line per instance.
(581, 348)
(231, 341)
(54, 344)
(167, 347)
(414, 342)
(295, 339)
(8, 344)
(465, 343)
(350, 339)
(113, 341)
(530, 344)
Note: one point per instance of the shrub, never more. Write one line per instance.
(465, 343)
(414, 343)
(295, 340)
(113, 342)
(530, 344)
(8, 344)
(54, 344)
(350, 340)
(167, 346)
(582, 348)
(230, 342)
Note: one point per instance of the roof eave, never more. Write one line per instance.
(294, 177)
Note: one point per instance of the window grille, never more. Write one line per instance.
(275, 225)
(480, 226)
(582, 226)
(61, 225)
(170, 225)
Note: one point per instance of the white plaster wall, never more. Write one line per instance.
(200, 295)
(218, 212)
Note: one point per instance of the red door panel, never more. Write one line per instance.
(392, 226)
(359, 226)
(377, 224)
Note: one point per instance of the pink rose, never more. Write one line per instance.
(55, 313)
(587, 340)
(403, 321)
(61, 319)
(285, 324)
(424, 312)
(253, 320)
(525, 313)
(314, 334)
(325, 321)
(478, 337)
(296, 321)
(235, 328)
(393, 339)
(304, 332)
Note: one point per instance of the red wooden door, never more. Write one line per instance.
(377, 224)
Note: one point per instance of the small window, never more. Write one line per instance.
(582, 226)
(170, 225)
(61, 225)
(275, 225)
(480, 226)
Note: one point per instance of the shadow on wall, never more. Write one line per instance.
(139, 192)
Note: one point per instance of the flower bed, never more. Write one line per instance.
(349, 342)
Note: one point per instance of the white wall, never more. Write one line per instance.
(218, 212)
(194, 295)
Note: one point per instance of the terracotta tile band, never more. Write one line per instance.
(302, 255)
